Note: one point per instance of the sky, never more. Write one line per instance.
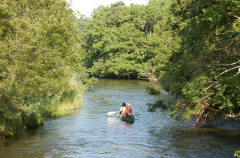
(86, 6)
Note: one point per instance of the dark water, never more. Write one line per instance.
(90, 132)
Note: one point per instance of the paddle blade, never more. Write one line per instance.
(112, 112)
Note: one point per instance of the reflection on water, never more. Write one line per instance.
(89, 131)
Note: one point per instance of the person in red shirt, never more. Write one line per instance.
(128, 111)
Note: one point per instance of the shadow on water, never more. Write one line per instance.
(206, 141)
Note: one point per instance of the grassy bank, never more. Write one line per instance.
(15, 120)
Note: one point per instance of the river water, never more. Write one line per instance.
(90, 132)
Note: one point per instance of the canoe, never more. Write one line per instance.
(127, 119)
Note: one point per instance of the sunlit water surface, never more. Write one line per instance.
(90, 132)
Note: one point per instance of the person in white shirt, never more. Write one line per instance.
(123, 108)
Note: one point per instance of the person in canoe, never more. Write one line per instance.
(122, 109)
(128, 111)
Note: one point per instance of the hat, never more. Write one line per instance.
(128, 104)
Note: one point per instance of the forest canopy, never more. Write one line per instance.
(130, 41)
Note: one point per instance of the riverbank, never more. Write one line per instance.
(16, 120)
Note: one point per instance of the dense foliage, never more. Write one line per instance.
(39, 56)
(191, 46)
(205, 71)
(131, 41)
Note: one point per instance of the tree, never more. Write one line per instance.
(121, 40)
(39, 56)
(205, 70)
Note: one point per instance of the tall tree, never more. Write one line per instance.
(39, 56)
(206, 69)
(119, 40)
(113, 42)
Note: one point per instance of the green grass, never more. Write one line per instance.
(15, 120)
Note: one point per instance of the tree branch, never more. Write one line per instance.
(229, 70)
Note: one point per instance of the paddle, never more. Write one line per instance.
(120, 117)
(112, 112)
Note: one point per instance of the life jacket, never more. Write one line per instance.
(129, 111)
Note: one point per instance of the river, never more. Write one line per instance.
(90, 132)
